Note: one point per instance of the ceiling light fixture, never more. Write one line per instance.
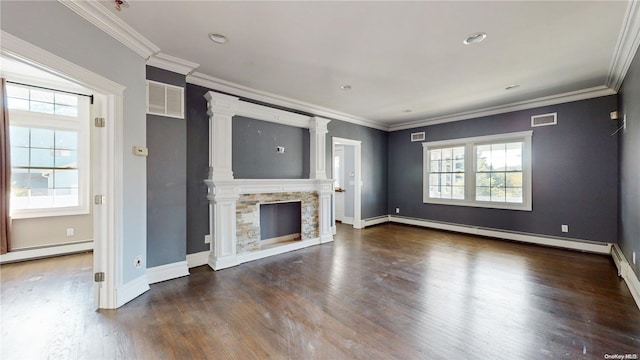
(475, 38)
(345, 87)
(407, 110)
(512, 86)
(218, 38)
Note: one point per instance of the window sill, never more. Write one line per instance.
(49, 212)
(480, 204)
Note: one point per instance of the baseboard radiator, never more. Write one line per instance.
(618, 258)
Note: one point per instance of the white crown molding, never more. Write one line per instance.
(626, 47)
(172, 63)
(217, 84)
(103, 19)
(583, 94)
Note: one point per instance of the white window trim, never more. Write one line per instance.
(469, 165)
(81, 124)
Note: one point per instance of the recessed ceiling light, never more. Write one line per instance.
(475, 38)
(407, 110)
(345, 87)
(218, 38)
(512, 86)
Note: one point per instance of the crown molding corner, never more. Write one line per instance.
(242, 91)
(98, 15)
(172, 63)
(626, 47)
(577, 95)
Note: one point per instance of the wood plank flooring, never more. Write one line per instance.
(387, 292)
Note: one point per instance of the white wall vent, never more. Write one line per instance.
(419, 136)
(544, 119)
(165, 99)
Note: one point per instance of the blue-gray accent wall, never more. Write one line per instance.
(254, 145)
(574, 172)
(166, 181)
(374, 164)
(629, 223)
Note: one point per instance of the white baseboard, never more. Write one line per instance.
(43, 252)
(627, 273)
(582, 245)
(198, 259)
(375, 221)
(347, 220)
(131, 290)
(166, 272)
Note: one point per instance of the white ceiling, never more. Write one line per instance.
(395, 55)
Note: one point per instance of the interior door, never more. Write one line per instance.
(338, 170)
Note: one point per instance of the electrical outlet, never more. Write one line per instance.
(70, 231)
(397, 210)
(565, 228)
(137, 262)
(207, 239)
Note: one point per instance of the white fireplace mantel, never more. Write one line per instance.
(224, 190)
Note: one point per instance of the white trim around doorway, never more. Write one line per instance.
(357, 211)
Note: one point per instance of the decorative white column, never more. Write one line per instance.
(222, 224)
(318, 131)
(221, 109)
(222, 195)
(325, 192)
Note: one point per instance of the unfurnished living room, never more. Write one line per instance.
(320, 179)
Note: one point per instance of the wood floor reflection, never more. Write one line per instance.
(389, 291)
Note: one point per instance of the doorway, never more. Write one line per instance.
(105, 158)
(346, 170)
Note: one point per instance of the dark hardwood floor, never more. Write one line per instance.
(390, 291)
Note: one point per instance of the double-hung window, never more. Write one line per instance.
(50, 143)
(487, 171)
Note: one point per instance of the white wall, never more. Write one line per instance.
(52, 27)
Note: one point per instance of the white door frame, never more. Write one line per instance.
(357, 144)
(107, 163)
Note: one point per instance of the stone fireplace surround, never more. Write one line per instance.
(233, 202)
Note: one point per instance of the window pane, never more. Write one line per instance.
(66, 140)
(514, 179)
(41, 198)
(447, 153)
(66, 110)
(498, 155)
(434, 167)
(434, 180)
(483, 193)
(17, 92)
(497, 179)
(19, 136)
(458, 153)
(41, 179)
(18, 104)
(41, 96)
(514, 195)
(482, 179)
(66, 178)
(42, 157)
(514, 156)
(458, 180)
(66, 99)
(458, 165)
(42, 138)
(445, 179)
(434, 191)
(458, 192)
(19, 156)
(41, 107)
(497, 194)
(66, 158)
(19, 182)
(447, 165)
(435, 154)
(66, 197)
